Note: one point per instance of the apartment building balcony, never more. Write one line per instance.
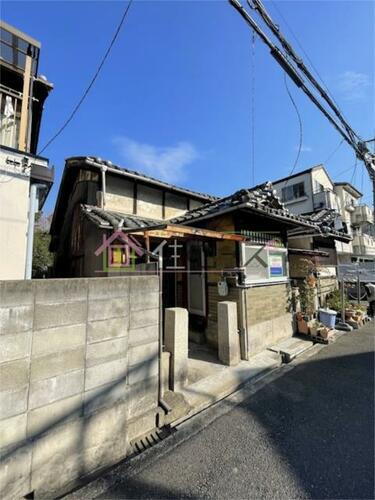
(363, 244)
(324, 198)
(362, 214)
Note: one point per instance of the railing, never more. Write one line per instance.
(362, 214)
(363, 244)
(10, 112)
(324, 198)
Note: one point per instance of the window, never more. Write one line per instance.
(264, 264)
(10, 112)
(318, 188)
(293, 192)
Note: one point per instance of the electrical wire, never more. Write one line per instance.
(346, 170)
(300, 128)
(84, 95)
(334, 151)
(363, 170)
(305, 54)
(354, 171)
(282, 59)
(253, 109)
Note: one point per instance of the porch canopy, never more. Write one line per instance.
(151, 228)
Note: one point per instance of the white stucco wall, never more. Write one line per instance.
(300, 205)
(149, 200)
(14, 200)
(119, 194)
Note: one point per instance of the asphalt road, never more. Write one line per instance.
(307, 434)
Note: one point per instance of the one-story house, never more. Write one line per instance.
(214, 249)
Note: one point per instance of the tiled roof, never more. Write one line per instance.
(105, 218)
(140, 176)
(261, 199)
(325, 220)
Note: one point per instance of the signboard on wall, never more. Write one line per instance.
(276, 264)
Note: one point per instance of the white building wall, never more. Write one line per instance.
(300, 205)
(14, 200)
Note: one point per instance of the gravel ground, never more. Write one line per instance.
(307, 434)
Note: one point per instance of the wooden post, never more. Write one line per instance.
(23, 133)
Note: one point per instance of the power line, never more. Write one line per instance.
(84, 95)
(334, 151)
(354, 171)
(253, 108)
(346, 170)
(283, 60)
(305, 53)
(300, 128)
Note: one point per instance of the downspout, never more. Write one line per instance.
(103, 170)
(162, 403)
(243, 304)
(33, 208)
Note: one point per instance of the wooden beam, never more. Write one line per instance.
(163, 206)
(25, 108)
(135, 194)
(175, 231)
(208, 233)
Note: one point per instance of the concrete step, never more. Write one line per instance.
(226, 380)
(291, 348)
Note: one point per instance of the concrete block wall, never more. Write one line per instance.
(78, 377)
(269, 317)
(213, 299)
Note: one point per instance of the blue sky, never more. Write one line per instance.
(174, 99)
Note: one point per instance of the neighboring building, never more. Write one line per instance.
(232, 248)
(311, 192)
(25, 178)
(358, 222)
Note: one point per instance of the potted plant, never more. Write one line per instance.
(314, 326)
(302, 325)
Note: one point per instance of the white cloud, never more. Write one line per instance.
(304, 149)
(353, 85)
(166, 163)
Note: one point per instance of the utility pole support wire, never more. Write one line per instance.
(360, 148)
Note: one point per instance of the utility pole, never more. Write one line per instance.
(293, 65)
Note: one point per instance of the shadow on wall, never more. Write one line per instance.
(92, 435)
(311, 430)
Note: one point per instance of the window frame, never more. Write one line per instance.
(293, 188)
(270, 279)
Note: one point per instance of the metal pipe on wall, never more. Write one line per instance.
(33, 208)
(163, 404)
(103, 169)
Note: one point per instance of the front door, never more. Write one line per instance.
(196, 278)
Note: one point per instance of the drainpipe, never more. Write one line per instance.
(33, 208)
(103, 169)
(243, 309)
(163, 404)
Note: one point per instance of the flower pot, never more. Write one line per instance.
(302, 327)
(314, 330)
(349, 314)
(324, 332)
